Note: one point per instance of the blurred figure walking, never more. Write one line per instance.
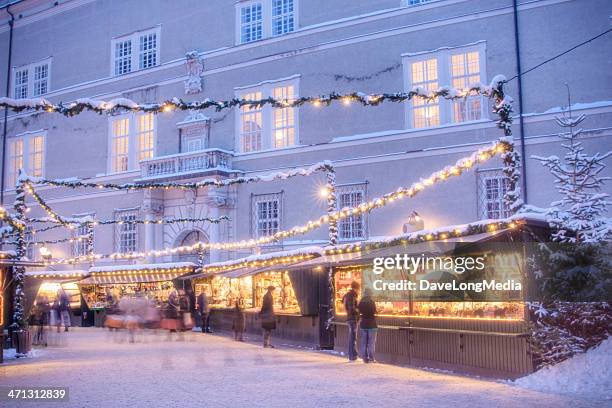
(204, 311)
(238, 321)
(268, 319)
(64, 310)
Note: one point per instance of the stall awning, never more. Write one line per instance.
(61, 275)
(366, 255)
(129, 278)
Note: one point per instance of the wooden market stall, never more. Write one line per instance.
(106, 285)
(473, 335)
(49, 284)
(296, 297)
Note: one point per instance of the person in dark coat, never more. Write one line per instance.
(204, 310)
(41, 319)
(64, 308)
(368, 327)
(238, 322)
(349, 300)
(268, 319)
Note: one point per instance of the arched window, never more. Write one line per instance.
(189, 239)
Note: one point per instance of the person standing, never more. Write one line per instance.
(349, 300)
(268, 320)
(204, 310)
(64, 306)
(368, 327)
(238, 323)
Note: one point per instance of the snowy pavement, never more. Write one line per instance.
(207, 370)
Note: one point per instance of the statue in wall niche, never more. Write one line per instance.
(195, 73)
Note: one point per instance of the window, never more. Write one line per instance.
(416, 2)
(25, 152)
(465, 71)
(282, 17)
(29, 239)
(31, 80)
(139, 49)
(266, 214)
(283, 121)
(250, 125)
(460, 67)
(258, 19)
(267, 127)
(251, 23)
(80, 234)
(425, 75)
(492, 186)
(354, 226)
(126, 232)
(132, 139)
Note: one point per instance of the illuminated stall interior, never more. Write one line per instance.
(53, 283)
(429, 305)
(107, 285)
(249, 288)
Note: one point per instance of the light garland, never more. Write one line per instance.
(324, 166)
(143, 271)
(280, 261)
(123, 104)
(480, 156)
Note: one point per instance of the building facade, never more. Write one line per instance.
(253, 49)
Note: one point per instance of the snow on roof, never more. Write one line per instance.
(310, 250)
(464, 230)
(73, 273)
(143, 267)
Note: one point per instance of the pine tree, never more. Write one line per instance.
(580, 214)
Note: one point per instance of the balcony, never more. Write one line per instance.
(187, 165)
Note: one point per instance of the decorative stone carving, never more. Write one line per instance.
(152, 204)
(195, 73)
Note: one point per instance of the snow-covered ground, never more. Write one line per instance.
(588, 374)
(207, 370)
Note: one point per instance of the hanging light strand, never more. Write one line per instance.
(482, 155)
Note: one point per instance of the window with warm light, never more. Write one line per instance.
(283, 121)
(27, 153)
(136, 51)
(251, 125)
(132, 139)
(459, 67)
(425, 75)
(267, 127)
(465, 71)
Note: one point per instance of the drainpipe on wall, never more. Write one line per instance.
(517, 49)
(8, 84)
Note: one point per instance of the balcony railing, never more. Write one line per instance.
(203, 161)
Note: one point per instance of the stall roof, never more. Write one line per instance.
(58, 275)
(139, 273)
(129, 278)
(143, 267)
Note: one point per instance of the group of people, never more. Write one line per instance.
(54, 313)
(267, 316)
(362, 314)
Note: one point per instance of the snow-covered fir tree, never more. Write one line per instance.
(580, 214)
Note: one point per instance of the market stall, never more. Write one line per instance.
(246, 280)
(448, 330)
(106, 285)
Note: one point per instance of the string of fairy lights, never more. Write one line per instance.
(480, 156)
(504, 146)
(123, 104)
